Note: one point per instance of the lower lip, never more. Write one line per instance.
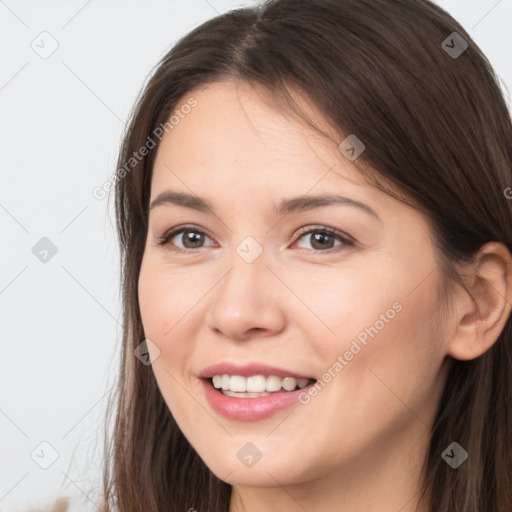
(250, 409)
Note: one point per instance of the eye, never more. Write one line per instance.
(323, 238)
(190, 237)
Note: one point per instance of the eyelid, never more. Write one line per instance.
(323, 229)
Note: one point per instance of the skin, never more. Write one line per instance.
(361, 440)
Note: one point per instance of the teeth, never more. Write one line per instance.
(255, 384)
(258, 384)
(289, 383)
(273, 383)
(244, 395)
(302, 383)
(238, 383)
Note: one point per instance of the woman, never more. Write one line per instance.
(317, 280)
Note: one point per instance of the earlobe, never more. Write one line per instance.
(480, 321)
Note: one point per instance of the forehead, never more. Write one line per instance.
(239, 134)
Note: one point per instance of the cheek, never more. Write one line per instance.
(357, 302)
(165, 298)
(152, 297)
(164, 303)
(378, 323)
(392, 356)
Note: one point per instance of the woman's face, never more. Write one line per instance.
(257, 284)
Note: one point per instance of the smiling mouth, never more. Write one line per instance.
(257, 386)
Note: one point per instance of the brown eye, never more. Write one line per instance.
(190, 238)
(323, 239)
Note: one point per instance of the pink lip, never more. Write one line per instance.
(250, 409)
(248, 370)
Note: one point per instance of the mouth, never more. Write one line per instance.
(256, 386)
(254, 390)
(253, 405)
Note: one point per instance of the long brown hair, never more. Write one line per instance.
(436, 127)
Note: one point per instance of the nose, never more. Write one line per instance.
(248, 301)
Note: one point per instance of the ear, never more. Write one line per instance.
(479, 323)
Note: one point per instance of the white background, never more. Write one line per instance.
(60, 125)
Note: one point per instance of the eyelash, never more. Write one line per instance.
(347, 241)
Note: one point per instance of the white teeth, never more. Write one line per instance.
(256, 383)
(302, 383)
(238, 383)
(289, 383)
(259, 384)
(244, 395)
(273, 383)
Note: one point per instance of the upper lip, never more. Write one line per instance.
(248, 370)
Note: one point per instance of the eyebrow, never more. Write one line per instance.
(287, 206)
